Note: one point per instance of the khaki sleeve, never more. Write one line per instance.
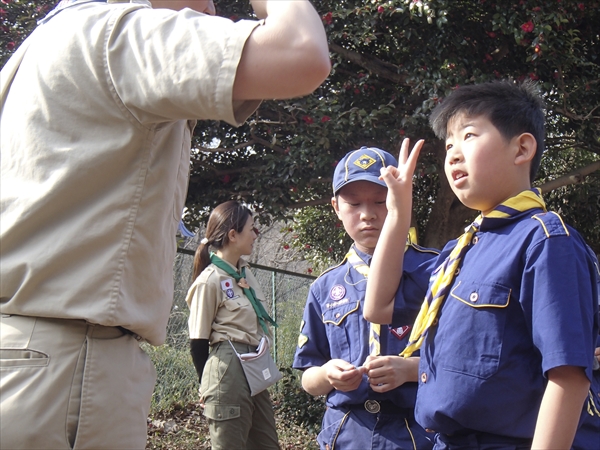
(204, 301)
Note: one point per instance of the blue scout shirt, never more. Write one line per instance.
(333, 326)
(522, 303)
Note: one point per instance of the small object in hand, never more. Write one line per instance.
(243, 283)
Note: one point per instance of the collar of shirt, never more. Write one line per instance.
(364, 256)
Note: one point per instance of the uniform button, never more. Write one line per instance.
(435, 322)
(429, 430)
(457, 271)
(231, 411)
(337, 316)
(219, 416)
(474, 296)
(475, 239)
(424, 377)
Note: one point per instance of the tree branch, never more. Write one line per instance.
(375, 65)
(574, 177)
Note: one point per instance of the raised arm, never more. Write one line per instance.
(386, 266)
(286, 57)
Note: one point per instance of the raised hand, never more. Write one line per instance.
(399, 179)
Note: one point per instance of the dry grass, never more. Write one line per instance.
(185, 428)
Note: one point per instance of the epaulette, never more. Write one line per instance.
(418, 248)
(552, 224)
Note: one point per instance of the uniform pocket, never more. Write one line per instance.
(481, 311)
(332, 426)
(22, 358)
(222, 412)
(343, 321)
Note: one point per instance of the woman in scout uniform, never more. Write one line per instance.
(225, 303)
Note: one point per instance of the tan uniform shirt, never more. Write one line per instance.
(95, 142)
(220, 311)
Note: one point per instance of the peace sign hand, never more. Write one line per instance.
(399, 179)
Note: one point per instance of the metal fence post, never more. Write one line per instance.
(273, 293)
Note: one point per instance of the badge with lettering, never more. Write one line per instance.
(243, 283)
(400, 332)
(337, 292)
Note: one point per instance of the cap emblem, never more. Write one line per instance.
(364, 162)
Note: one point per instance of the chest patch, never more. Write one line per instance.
(227, 284)
(337, 292)
(400, 332)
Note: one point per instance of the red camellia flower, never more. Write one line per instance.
(357, 91)
(328, 18)
(10, 45)
(537, 48)
(307, 246)
(401, 132)
(309, 270)
(286, 247)
(491, 34)
(308, 120)
(325, 119)
(527, 27)
(329, 249)
(581, 6)
(533, 76)
(380, 9)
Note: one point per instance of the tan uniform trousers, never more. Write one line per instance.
(67, 384)
(236, 420)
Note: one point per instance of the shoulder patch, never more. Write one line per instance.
(552, 224)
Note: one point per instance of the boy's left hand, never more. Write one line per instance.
(388, 372)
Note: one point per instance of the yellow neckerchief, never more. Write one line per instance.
(363, 268)
(440, 286)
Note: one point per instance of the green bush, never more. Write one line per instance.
(294, 405)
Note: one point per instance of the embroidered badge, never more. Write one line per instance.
(364, 162)
(336, 304)
(226, 284)
(230, 293)
(337, 292)
(400, 332)
(302, 339)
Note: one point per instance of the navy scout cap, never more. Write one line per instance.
(362, 164)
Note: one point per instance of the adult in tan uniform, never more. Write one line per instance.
(222, 315)
(98, 109)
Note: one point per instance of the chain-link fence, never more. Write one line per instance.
(177, 381)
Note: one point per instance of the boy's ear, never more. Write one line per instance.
(526, 148)
(335, 205)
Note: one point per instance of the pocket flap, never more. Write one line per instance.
(336, 312)
(480, 295)
(222, 412)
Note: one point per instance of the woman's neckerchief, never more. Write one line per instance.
(240, 278)
(526, 200)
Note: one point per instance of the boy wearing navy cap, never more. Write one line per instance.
(510, 319)
(370, 389)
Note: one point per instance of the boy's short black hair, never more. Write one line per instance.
(513, 108)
